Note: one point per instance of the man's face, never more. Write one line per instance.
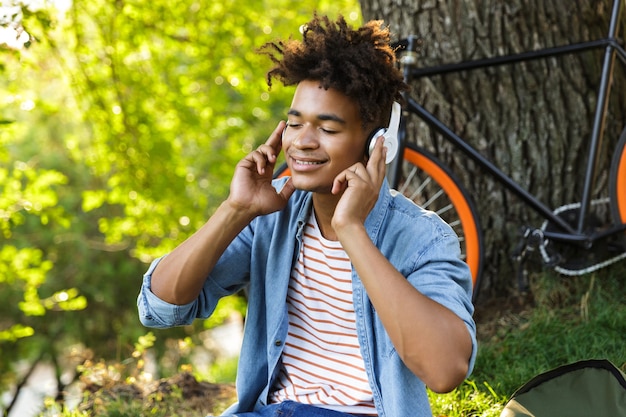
(324, 136)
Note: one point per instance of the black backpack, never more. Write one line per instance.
(589, 388)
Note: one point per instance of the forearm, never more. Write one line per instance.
(431, 340)
(179, 277)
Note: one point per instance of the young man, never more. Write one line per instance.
(357, 297)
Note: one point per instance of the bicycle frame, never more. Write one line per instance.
(612, 47)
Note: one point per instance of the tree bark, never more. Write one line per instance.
(533, 119)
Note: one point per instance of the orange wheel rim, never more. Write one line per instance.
(472, 254)
(621, 186)
(458, 200)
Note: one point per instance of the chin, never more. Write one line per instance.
(312, 186)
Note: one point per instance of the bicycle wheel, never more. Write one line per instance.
(430, 184)
(427, 182)
(618, 181)
(605, 213)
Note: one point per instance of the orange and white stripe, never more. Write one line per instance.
(321, 362)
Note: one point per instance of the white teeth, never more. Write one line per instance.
(307, 162)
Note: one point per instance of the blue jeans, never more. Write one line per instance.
(293, 409)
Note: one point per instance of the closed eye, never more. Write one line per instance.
(294, 125)
(325, 130)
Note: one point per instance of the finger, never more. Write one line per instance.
(340, 183)
(276, 138)
(376, 166)
(287, 190)
(255, 159)
(272, 147)
(262, 157)
(267, 152)
(342, 180)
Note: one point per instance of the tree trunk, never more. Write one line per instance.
(533, 119)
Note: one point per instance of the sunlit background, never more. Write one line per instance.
(120, 125)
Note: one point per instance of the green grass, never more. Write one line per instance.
(468, 400)
(570, 319)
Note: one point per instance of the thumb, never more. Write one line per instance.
(287, 190)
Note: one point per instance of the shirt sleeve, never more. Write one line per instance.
(446, 279)
(154, 312)
(230, 274)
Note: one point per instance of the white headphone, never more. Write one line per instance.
(390, 134)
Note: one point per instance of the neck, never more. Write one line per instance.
(324, 208)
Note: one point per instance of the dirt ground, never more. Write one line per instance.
(494, 319)
(497, 316)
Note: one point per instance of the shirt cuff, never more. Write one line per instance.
(154, 312)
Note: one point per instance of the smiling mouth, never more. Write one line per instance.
(307, 162)
(299, 162)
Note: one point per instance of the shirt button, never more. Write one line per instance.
(278, 342)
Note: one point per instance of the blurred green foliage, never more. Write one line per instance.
(120, 125)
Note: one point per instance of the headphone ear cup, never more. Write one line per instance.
(390, 142)
(371, 142)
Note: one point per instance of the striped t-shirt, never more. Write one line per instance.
(321, 361)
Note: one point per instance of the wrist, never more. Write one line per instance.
(350, 231)
(235, 212)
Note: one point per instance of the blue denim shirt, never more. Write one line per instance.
(417, 242)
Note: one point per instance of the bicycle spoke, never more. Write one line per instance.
(429, 185)
(455, 223)
(445, 209)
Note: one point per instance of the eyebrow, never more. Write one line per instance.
(324, 116)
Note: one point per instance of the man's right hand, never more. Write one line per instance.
(179, 277)
(251, 189)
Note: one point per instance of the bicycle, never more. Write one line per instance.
(423, 178)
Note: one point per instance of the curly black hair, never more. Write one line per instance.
(359, 63)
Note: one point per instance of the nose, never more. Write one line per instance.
(302, 137)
